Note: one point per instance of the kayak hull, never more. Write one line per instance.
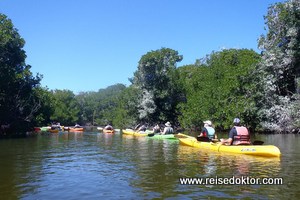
(255, 150)
(53, 130)
(167, 136)
(76, 129)
(108, 131)
(134, 133)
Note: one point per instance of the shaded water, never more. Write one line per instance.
(94, 165)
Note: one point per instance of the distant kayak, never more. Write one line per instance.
(76, 129)
(108, 131)
(256, 150)
(45, 128)
(53, 130)
(37, 129)
(134, 133)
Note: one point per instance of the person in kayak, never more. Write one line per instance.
(208, 131)
(238, 135)
(108, 127)
(156, 129)
(77, 126)
(168, 129)
(142, 128)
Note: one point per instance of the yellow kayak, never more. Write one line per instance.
(255, 150)
(134, 133)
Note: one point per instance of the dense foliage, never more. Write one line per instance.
(218, 88)
(262, 89)
(18, 100)
(155, 81)
(279, 70)
(99, 108)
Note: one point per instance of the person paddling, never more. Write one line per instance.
(168, 129)
(238, 135)
(207, 132)
(142, 128)
(156, 129)
(108, 127)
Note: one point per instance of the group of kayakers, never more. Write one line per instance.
(156, 129)
(238, 135)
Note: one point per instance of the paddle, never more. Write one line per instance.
(150, 134)
(206, 139)
(257, 142)
(203, 139)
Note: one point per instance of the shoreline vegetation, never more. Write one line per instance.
(262, 89)
(91, 128)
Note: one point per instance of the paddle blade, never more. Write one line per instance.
(214, 140)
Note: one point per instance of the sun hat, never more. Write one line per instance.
(168, 124)
(208, 122)
(236, 120)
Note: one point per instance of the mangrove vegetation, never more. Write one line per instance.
(261, 88)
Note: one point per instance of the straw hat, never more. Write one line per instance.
(168, 124)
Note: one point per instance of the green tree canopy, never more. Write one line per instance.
(155, 78)
(218, 88)
(279, 70)
(98, 108)
(66, 108)
(18, 102)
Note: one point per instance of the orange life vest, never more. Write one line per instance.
(242, 137)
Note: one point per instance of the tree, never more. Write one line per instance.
(280, 66)
(218, 88)
(155, 78)
(66, 108)
(88, 103)
(98, 108)
(108, 103)
(47, 107)
(18, 103)
(126, 113)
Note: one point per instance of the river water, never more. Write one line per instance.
(93, 165)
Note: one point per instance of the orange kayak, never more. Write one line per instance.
(75, 129)
(53, 130)
(108, 131)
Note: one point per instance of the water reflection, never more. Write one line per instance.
(155, 167)
(95, 165)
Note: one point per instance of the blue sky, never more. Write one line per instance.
(87, 45)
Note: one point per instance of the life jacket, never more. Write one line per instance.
(211, 132)
(242, 137)
(169, 130)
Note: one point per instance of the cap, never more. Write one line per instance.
(236, 120)
(207, 122)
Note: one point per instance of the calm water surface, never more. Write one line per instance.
(93, 165)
